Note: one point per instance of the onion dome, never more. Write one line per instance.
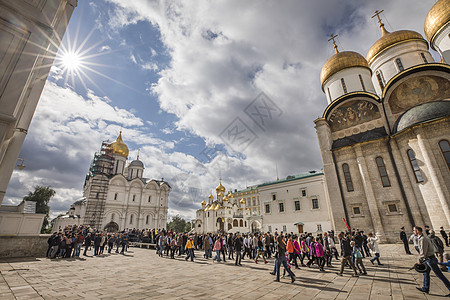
(203, 202)
(217, 206)
(225, 198)
(422, 113)
(207, 207)
(137, 163)
(242, 201)
(390, 39)
(341, 61)
(118, 147)
(437, 18)
(220, 194)
(220, 188)
(230, 195)
(211, 196)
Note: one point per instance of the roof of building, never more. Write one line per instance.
(137, 163)
(437, 17)
(360, 138)
(422, 113)
(119, 147)
(292, 178)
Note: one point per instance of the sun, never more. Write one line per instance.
(71, 61)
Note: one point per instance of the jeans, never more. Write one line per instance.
(349, 260)
(238, 257)
(77, 250)
(190, 254)
(433, 264)
(217, 257)
(282, 261)
(376, 258)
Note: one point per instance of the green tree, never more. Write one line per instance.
(178, 224)
(42, 196)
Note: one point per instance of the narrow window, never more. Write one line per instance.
(398, 61)
(382, 171)
(348, 178)
(131, 219)
(315, 203)
(146, 220)
(112, 216)
(297, 205)
(356, 210)
(270, 228)
(241, 223)
(445, 149)
(274, 197)
(329, 94)
(284, 228)
(424, 58)
(131, 174)
(117, 167)
(415, 165)
(392, 208)
(149, 198)
(303, 193)
(344, 87)
(281, 207)
(362, 82)
(134, 197)
(235, 223)
(208, 214)
(115, 196)
(267, 208)
(319, 227)
(380, 79)
(245, 223)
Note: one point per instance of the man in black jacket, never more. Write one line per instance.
(238, 249)
(404, 239)
(56, 243)
(444, 236)
(87, 243)
(346, 250)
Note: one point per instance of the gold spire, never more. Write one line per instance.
(119, 147)
(377, 14)
(220, 187)
(335, 47)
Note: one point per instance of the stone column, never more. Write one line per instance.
(368, 190)
(435, 210)
(335, 201)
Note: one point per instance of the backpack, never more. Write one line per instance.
(358, 253)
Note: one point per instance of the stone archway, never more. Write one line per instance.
(256, 226)
(111, 227)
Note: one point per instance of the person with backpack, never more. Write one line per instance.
(356, 252)
(438, 246)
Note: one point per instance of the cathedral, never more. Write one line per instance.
(116, 196)
(385, 135)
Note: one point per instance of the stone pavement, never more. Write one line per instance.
(141, 274)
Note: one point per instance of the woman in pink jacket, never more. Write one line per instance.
(217, 248)
(297, 251)
(320, 255)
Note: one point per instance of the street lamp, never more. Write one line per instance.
(21, 166)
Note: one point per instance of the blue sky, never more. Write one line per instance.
(181, 78)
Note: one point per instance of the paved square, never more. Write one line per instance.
(141, 274)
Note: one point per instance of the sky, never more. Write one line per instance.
(204, 89)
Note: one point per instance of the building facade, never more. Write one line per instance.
(384, 136)
(116, 196)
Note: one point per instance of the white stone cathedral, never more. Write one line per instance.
(385, 135)
(116, 196)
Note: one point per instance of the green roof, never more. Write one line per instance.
(249, 189)
(292, 178)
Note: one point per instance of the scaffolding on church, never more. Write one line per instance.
(100, 172)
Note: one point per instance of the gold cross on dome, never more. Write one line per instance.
(334, 42)
(377, 14)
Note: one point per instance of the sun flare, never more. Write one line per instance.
(71, 61)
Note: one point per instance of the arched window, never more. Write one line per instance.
(131, 219)
(235, 223)
(398, 61)
(112, 216)
(415, 165)
(380, 79)
(241, 223)
(424, 58)
(445, 149)
(348, 178)
(382, 171)
(362, 82)
(344, 87)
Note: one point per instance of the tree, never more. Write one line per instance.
(42, 196)
(178, 224)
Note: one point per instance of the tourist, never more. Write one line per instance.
(356, 252)
(415, 240)
(346, 254)
(426, 256)
(217, 248)
(444, 236)
(404, 239)
(189, 249)
(446, 262)
(87, 243)
(238, 249)
(281, 260)
(438, 246)
(261, 251)
(373, 246)
(320, 255)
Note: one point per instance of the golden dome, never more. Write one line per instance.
(118, 147)
(211, 196)
(437, 18)
(230, 195)
(220, 188)
(203, 202)
(389, 39)
(225, 198)
(217, 206)
(341, 61)
(242, 201)
(220, 194)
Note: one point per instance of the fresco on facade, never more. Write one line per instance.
(353, 113)
(418, 90)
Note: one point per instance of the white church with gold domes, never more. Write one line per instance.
(385, 135)
(116, 196)
(223, 213)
